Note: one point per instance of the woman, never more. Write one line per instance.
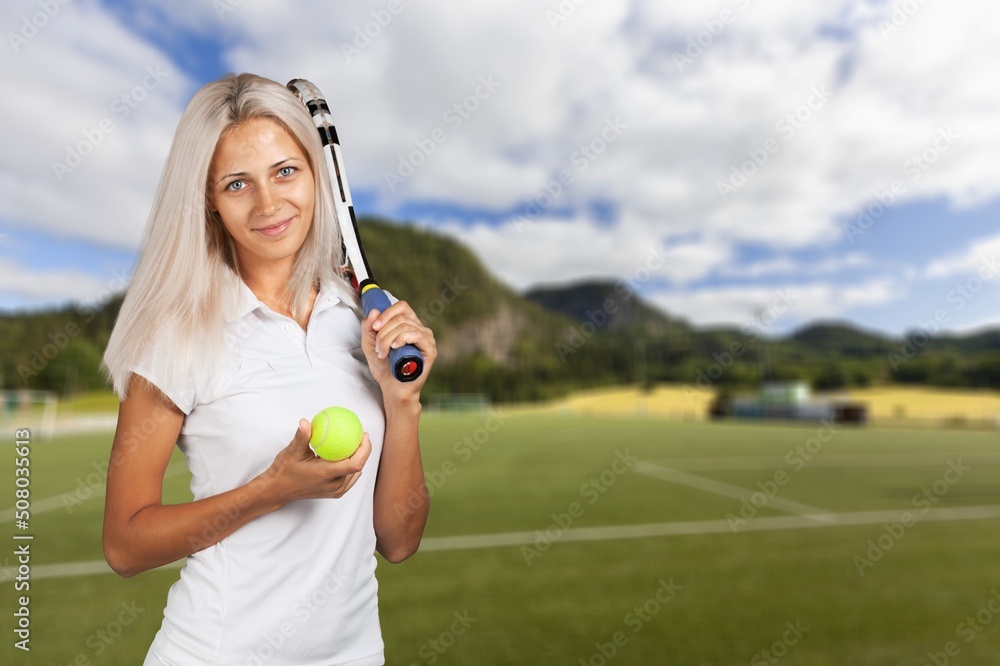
(236, 327)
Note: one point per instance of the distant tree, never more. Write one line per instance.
(831, 376)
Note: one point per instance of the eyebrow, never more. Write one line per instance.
(244, 173)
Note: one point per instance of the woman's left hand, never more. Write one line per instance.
(397, 326)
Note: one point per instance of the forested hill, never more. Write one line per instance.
(495, 341)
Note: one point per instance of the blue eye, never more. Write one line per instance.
(232, 187)
(286, 171)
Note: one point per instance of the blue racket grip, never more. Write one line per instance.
(407, 362)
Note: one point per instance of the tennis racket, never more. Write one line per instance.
(407, 362)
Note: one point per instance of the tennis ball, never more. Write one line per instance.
(336, 433)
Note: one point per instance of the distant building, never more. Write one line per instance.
(788, 401)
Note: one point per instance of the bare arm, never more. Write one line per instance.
(402, 502)
(141, 533)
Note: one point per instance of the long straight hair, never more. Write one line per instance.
(186, 283)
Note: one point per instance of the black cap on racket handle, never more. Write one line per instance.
(407, 362)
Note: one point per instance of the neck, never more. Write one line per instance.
(269, 283)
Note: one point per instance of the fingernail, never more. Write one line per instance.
(377, 325)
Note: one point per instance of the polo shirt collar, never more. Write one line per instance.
(248, 302)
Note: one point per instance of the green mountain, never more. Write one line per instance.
(828, 354)
(494, 341)
(613, 303)
(490, 339)
(842, 338)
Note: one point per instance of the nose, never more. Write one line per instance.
(267, 202)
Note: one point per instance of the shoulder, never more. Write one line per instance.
(159, 369)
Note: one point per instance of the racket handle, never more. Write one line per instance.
(407, 362)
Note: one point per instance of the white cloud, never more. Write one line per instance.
(784, 265)
(66, 95)
(53, 285)
(885, 98)
(791, 302)
(584, 249)
(981, 255)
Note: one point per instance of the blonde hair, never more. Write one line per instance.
(186, 281)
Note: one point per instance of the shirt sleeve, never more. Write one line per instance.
(180, 392)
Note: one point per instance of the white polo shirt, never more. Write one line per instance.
(295, 586)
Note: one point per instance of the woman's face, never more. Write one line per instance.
(261, 185)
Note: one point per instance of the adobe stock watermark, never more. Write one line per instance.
(32, 24)
(580, 160)
(914, 169)
(759, 155)
(56, 341)
(86, 488)
(452, 289)
(901, 14)
(462, 451)
(304, 608)
(435, 648)
(635, 620)
(223, 7)
(700, 42)
(893, 532)
(961, 295)
(591, 491)
(967, 630)
(625, 289)
(752, 329)
(99, 641)
(454, 117)
(121, 108)
(562, 13)
(366, 34)
(779, 649)
(796, 460)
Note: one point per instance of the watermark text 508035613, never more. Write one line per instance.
(22, 540)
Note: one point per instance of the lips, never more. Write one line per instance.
(276, 229)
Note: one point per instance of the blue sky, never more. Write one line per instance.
(717, 154)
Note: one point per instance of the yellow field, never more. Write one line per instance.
(672, 401)
(890, 404)
(925, 404)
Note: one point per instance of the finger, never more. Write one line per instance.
(300, 442)
(395, 326)
(347, 483)
(407, 334)
(360, 457)
(369, 335)
(351, 465)
(397, 309)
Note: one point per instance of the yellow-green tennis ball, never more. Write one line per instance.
(336, 433)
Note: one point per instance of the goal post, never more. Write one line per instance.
(26, 408)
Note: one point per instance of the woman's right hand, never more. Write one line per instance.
(298, 473)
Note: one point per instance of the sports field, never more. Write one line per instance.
(569, 539)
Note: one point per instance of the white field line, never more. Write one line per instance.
(830, 460)
(729, 490)
(58, 502)
(608, 533)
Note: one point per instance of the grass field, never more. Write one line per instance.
(565, 536)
